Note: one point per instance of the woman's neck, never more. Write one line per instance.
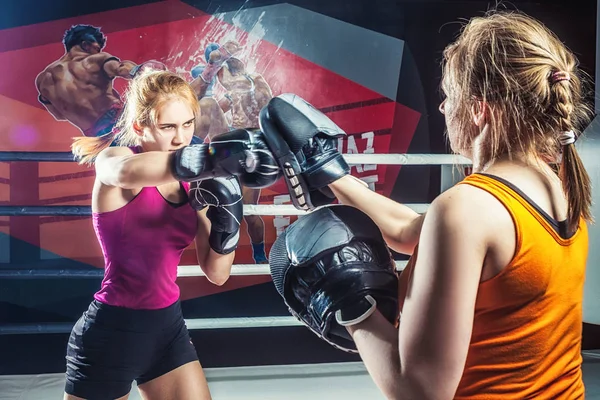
(516, 160)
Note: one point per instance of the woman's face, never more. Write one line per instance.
(174, 127)
(449, 107)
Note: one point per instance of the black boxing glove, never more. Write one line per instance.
(223, 196)
(333, 269)
(266, 171)
(239, 152)
(304, 143)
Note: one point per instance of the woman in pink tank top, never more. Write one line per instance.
(144, 220)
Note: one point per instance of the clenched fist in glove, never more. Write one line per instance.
(240, 152)
(223, 196)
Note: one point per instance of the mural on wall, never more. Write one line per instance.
(70, 80)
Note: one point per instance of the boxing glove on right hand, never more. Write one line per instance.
(223, 196)
(303, 141)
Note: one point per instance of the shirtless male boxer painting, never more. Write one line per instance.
(247, 93)
(212, 117)
(78, 87)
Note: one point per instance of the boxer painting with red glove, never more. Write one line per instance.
(78, 87)
(247, 93)
(212, 120)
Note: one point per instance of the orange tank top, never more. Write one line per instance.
(526, 340)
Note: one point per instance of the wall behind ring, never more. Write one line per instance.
(589, 148)
(374, 70)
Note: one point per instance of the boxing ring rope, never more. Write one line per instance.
(249, 209)
(182, 271)
(352, 159)
(186, 270)
(192, 324)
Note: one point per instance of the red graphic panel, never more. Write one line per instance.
(175, 34)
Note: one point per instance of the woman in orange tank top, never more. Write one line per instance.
(491, 306)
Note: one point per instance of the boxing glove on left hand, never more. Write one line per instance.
(239, 152)
(223, 196)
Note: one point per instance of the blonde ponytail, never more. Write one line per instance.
(143, 98)
(575, 179)
(86, 149)
(577, 186)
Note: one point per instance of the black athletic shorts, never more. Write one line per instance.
(110, 347)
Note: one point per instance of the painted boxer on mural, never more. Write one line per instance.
(78, 87)
(212, 118)
(247, 93)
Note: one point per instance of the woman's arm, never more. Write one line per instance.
(400, 225)
(425, 359)
(216, 267)
(120, 167)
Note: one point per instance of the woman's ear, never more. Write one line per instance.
(137, 128)
(479, 113)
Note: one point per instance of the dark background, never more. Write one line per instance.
(426, 27)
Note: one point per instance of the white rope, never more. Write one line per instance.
(406, 159)
(591, 353)
(192, 324)
(246, 269)
(95, 273)
(288, 209)
(284, 371)
(241, 322)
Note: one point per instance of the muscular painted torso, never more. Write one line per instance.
(212, 119)
(78, 88)
(247, 94)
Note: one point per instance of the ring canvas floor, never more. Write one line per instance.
(343, 381)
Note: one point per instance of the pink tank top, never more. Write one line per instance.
(142, 244)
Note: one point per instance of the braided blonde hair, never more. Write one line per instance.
(535, 93)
